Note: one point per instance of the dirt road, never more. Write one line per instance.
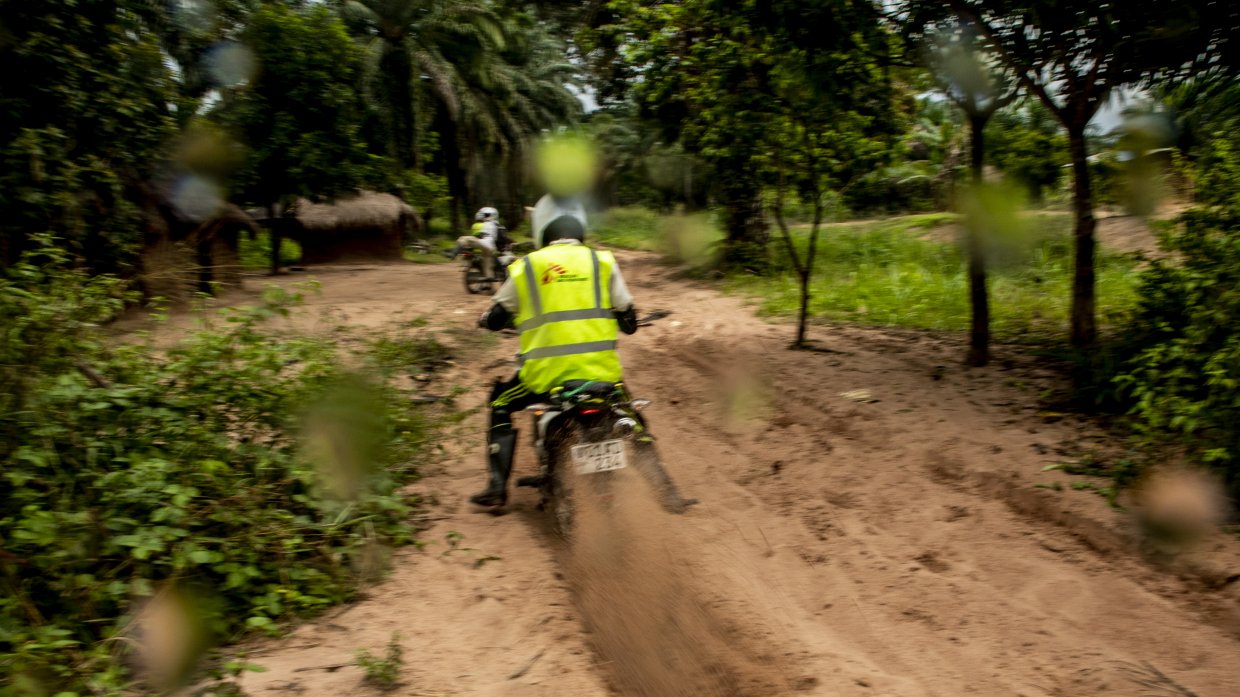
(869, 525)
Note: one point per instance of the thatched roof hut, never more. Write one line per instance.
(368, 226)
(183, 256)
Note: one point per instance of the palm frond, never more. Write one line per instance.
(441, 74)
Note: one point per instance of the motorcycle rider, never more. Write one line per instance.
(484, 237)
(568, 302)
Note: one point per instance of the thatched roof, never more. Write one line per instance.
(233, 214)
(180, 224)
(186, 207)
(365, 210)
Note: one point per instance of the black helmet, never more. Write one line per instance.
(558, 219)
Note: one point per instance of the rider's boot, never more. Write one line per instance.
(673, 502)
(652, 468)
(452, 253)
(499, 465)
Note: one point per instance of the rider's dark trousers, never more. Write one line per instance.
(512, 396)
(509, 397)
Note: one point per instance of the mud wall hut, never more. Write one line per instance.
(370, 226)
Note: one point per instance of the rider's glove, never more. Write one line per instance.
(626, 319)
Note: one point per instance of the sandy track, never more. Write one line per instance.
(895, 546)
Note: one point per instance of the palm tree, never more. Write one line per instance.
(457, 70)
(506, 106)
(409, 39)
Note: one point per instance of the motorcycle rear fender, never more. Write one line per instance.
(544, 423)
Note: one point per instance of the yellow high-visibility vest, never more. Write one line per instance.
(565, 320)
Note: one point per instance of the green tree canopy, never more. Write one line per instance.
(710, 75)
(86, 110)
(300, 116)
(1025, 143)
(1072, 57)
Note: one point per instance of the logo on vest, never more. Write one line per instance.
(552, 273)
(558, 274)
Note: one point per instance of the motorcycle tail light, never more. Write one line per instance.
(587, 412)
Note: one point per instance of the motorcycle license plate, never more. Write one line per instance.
(599, 457)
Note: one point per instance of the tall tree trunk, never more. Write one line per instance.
(979, 301)
(1084, 328)
(803, 313)
(747, 237)
(514, 201)
(808, 272)
(689, 207)
(455, 174)
(274, 233)
(397, 71)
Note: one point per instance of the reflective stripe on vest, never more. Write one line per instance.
(565, 320)
(563, 316)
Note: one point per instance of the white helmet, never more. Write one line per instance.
(486, 213)
(557, 219)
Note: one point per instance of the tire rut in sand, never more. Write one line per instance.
(657, 627)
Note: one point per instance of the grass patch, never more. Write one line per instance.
(915, 224)
(629, 228)
(409, 353)
(884, 273)
(692, 239)
(905, 271)
(425, 257)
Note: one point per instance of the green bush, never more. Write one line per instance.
(906, 188)
(256, 253)
(127, 472)
(1182, 371)
(1176, 369)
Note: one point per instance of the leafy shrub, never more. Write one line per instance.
(907, 188)
(1182, 368)
(256, 253)
(1176, 369)
(427, 192)
(126, 471)
(1218, 177)
(383, 673)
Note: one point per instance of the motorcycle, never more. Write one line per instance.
(585, 436)
(475, 272)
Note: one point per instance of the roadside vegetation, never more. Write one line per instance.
(888, 274)
(236, 479)
(908, 271)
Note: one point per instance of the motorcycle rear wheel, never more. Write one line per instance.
(475, 280)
